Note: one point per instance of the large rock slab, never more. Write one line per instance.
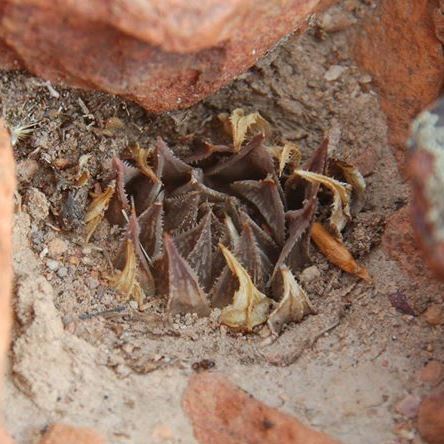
(162, 54)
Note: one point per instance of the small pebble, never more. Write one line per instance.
(366, 78)
(52, 264)
(37, 204)
(432, 373)
(92, 283)
(408, 406)
(62, 272)
(434, 315)
(133, 304)
(334, 72)
(309, 274)
(26, 170)
(56, 247)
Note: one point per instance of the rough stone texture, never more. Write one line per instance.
(66, 434)
(399, 242)
(434, 315)
(431, 419)
(161, 54)
(4, 437)
(432, 373)
(399, 48)
(7, 187)
(223, 413)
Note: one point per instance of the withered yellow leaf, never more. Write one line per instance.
(141, 157)
(250, 307)
(241, 124)
(293, 306)
(336, 252)
(125, 280)
(289, 154)
(83, 174)
(340, 212)
(354, 178)
(96, 209)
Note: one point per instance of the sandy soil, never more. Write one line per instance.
(82, 356)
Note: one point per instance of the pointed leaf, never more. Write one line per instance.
(195, 245)
(298, 221)
(288, 154)
(241, 124)
(174, 170)
(250, 307)
(184, 292)
(125, 281)
(265, 196)
(97, 208)
(195, 184)
(354, 178)
(293, 306)
(341, 198)
(252, 162)
(151, 229)
(181, 211)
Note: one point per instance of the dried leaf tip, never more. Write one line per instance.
(336, 252)
(289, 154)
(250, 307)
(340, 213)
(97, 208)
(293, 306)
(354, 178)
(125, 281)
(241, 124)
(141, 157)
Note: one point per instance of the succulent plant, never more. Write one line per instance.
(222, 225)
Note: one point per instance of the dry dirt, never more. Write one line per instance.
(80, 355)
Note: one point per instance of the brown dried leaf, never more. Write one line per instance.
(293, 306)
(141, 157)
(83, 174)
(250, 307)
(340, 213)
(241, 124)
(125, 281)
(355, 179)
(336, 252)
(96, 209)
(289, 154)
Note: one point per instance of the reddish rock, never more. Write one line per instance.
(4, 437)
(66, 434)
(399, 242)
(434, 315)
(162, 54)
(7, 187)
(431, 419)
(222, 413)
(432, 373)
(408, 406)
(408, 79)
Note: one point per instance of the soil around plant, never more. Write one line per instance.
(83, 356)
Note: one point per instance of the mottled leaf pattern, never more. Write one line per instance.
(232, 221)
